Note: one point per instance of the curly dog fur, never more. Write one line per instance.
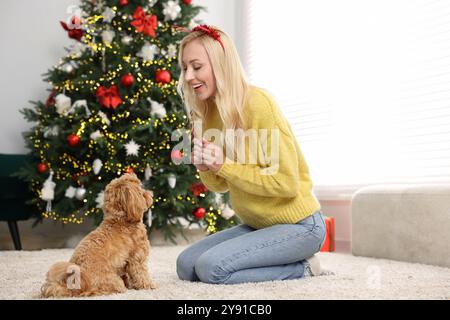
(113, 257)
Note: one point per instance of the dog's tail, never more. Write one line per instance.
(65, 279)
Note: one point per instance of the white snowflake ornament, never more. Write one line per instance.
(171, 10)
(132, 148)
(148, 52)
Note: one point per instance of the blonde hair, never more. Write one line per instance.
(231, 83)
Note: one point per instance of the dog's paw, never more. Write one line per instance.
(151, 286)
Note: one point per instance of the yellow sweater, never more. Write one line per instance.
(261, 200)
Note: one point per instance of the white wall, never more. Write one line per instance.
(33, 41)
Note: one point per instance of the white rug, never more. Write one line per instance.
(22, 273)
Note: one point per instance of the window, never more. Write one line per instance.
(364, 84)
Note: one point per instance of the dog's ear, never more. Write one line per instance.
(148, 196)
(135, 203)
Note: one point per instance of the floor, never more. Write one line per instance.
(22, 274)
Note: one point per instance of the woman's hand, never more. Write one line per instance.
(212, 155)
(196, 156)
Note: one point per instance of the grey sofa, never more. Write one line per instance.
(402, 222)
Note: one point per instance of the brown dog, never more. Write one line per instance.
(114, 256)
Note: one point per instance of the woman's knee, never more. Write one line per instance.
(185, 267)
(209, 270)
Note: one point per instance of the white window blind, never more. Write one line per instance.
(364, 84)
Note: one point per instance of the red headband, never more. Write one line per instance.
(206, 30)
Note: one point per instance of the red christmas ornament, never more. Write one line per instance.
(144, 24)
(73, 140)
(199, 213)
(127, 80)
(41, 167)
(123, 3)
(176, 155)
(74, 30)
(108, 97)
(187, 2)
(129, 170)
(198, 188)
(163, 76)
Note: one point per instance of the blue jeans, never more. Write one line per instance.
(244, 254)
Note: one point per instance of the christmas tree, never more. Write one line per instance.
(113, 108)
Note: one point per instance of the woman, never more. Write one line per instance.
(282, 224)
